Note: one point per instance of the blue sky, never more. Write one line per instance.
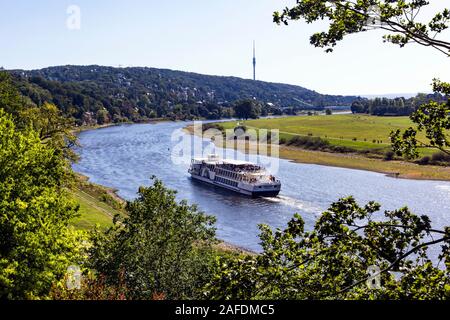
(211, 37)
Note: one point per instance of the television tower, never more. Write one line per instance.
(254, 61)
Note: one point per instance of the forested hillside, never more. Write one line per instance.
(96, 94)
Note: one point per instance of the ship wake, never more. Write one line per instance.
(303, 206)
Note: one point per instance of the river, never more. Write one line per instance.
(125, 157)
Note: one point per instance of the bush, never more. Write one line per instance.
(341, 149)
(207, 126)
(316, 143)
(313, 143)
(424, 161)
(389, 156)
(440, 157)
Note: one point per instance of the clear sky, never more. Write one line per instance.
(211, 37)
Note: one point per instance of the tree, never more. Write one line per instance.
(36, 243)
(53, 127)
(432, 118)
(247, 109)
(102, 116)
(399, 18)
(357, 107)
(328, 112)
(161, 248)
(10, 99)
(333, 260)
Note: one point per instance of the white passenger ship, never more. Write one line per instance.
(239, 176)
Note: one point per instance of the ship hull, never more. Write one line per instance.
(253, 194)
(257, 194)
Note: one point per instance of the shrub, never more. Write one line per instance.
(207, 126)
(424, 161)
(440, 157)
(388, 156)
(341, 149)
(313, 143)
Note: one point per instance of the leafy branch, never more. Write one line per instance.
(399, 18)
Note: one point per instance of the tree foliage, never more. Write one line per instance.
(10, 99)
(332, 260)
(161, 248)
(399, 18)
(53, 127)
(395, 107)
(247, 109)
(36, 244)
(433, 118)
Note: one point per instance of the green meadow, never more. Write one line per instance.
(360, 132)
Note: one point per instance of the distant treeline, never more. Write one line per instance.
(394, 107)
(95, 94)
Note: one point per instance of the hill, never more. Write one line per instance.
(107, 94)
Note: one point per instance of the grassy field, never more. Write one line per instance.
(98, 204)
(400, 169)
(360, 132)
(93, 212)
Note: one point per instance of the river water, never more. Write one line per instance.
(125, 157)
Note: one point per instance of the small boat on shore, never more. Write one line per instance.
(240, 176)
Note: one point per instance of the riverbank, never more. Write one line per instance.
(394, 168)
(79, 129)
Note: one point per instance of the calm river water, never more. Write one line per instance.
(124, 157)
